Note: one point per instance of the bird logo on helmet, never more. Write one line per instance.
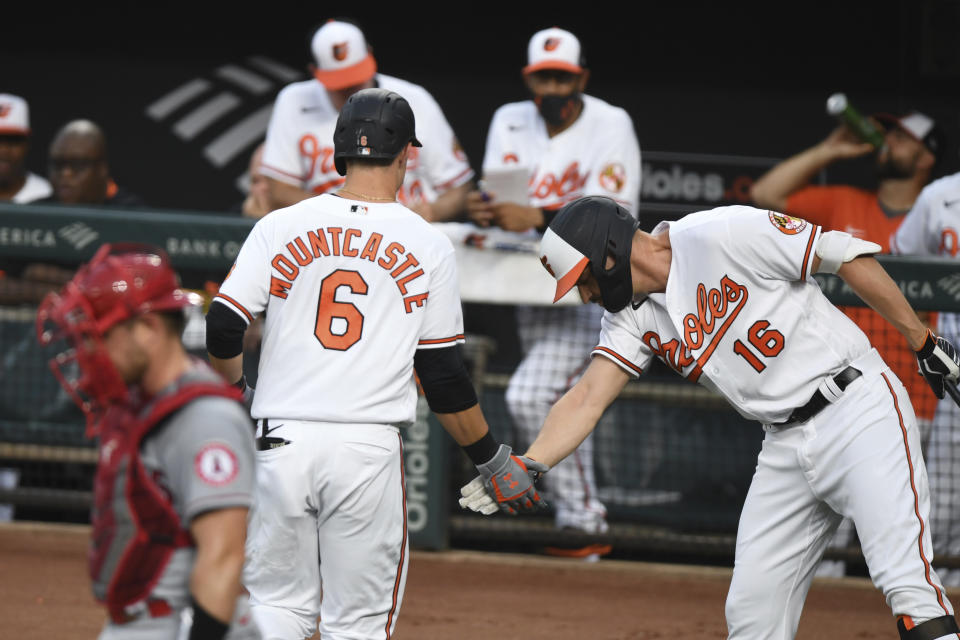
(588, 232)
(374, 123)
(121, 281)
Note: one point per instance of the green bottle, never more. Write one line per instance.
(839, 107)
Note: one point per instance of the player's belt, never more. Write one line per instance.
(266, 442)
(818, 401)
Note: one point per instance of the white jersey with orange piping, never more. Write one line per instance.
(351, 290)
(760, 332)
(299, 144)
(597, 155)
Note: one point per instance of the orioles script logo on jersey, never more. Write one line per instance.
(337, 241)
(716, 310)
(571, 181)
(787, 224)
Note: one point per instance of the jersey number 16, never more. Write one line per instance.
(769, 342)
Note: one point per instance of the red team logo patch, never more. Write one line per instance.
(787, 224)
(340, 51)
(216, 464)
(612, 177)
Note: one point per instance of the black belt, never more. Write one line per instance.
(818, 401)
(267, 442)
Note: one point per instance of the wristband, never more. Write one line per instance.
(241, 383)
(205, 626)
(482, 450)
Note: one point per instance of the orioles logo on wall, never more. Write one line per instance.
(551, 43)
(787, 224)
(340, 51)
(612, 177)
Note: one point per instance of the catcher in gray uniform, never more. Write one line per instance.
(175, 472)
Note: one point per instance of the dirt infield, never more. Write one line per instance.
(44, 593)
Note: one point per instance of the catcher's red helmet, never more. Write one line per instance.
(120, 281)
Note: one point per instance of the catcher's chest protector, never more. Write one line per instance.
(135, 527)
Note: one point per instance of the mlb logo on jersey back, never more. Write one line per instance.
(356, 208)
(787, 224)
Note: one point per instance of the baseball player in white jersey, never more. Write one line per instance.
(175, 472)
(359, 293)
(298, 157)
(16, 183)
(725, 297)
(932, 228)
(573, 145)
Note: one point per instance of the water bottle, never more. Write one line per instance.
(839, 107)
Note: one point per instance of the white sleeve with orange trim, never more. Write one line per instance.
(616, 169)
(443, 322)
(620, 342)
(247, 286)
(773, 245)
(281, 157)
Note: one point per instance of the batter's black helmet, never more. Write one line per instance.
(374, 123)
(587, 231)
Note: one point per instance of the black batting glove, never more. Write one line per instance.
(939, 363)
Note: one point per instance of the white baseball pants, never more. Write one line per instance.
(859, 458)
(328, 533)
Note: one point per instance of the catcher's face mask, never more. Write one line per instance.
(120, 282)
(82, 366)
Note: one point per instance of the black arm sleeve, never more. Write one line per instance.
(225, 331)
(444, 378)
(205, 626)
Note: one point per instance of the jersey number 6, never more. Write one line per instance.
(329, 311)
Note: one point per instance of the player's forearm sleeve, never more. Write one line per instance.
(444, 378)
(225, 331)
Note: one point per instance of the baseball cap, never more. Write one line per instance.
(553, 48)
(14, 115)
(343, 59)
(919, 126)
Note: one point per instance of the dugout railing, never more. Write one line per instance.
(673, 461)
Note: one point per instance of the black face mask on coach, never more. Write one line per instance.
(557, 110)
